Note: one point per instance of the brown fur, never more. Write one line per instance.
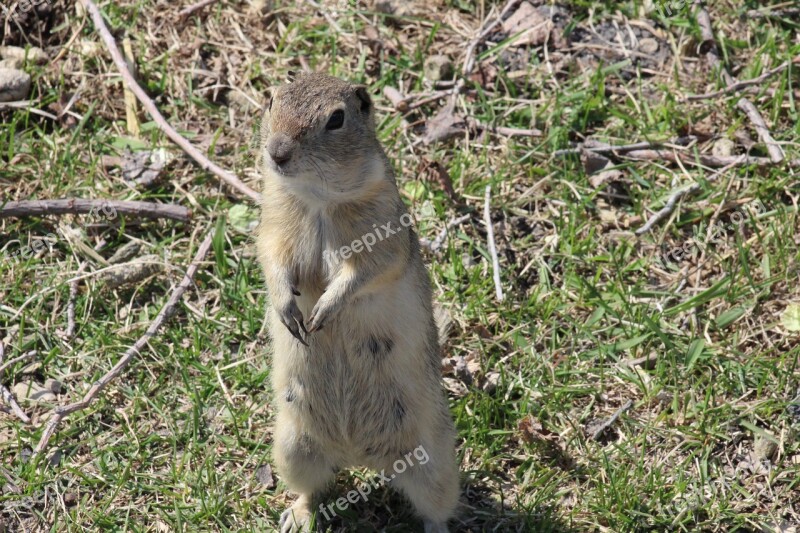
(366, 389)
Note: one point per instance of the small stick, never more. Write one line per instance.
(509, 132)
(709, 47)
(610, 422)
(12, 362)
(790, 12)
(78, 206)
(186, 11)
(711, 161)
(8, 398)
(621, 149)
(739, 85)
(396, 98)
(487, 218)
(442, 237)
(73, 293)
(672, 201)
(169, 308)
(159, 119)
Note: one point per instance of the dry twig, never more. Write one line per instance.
(709, 47)
(8, 398)
(611, 421)
(76, 206)
(739, 85)
(73, 294)
(710, 161)
(672, 201)
(169, 308)
(442, 236)
(159, 119)
(186, 11)
(487, 218)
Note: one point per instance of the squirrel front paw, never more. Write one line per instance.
(327, 307)
(291, 317)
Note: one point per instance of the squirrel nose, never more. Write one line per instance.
(280, 149)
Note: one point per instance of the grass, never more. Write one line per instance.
(180, 441)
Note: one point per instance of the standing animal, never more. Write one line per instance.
(356, 364)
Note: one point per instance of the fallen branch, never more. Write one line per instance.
(487, 218)
(710, 161)
(81, 206)
(151, 108)
(709, 47)
(169, 308)
(672, 201)
(8, 398)
(739, 85)
(611, 421)
(186, 11)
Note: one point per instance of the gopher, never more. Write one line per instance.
(356, 365)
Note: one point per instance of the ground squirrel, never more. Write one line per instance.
(356, 365)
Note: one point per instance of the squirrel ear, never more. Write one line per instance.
(363, 95)
(290, 76)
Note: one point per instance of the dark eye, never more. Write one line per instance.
(336, 121)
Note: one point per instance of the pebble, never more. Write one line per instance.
(14, 85)
(34, 54)
(438, 68)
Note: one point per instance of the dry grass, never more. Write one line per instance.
(180, 441)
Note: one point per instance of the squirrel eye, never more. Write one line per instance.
(336, 121)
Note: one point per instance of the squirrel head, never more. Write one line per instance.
(318, 137)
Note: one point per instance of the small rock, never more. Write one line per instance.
(490, 382)
(723, 148)
(25, 454)
(53, 385)
(70, 498)
(30, 390)
(765, 449)
(132, 272)
(664, 397)
(90, 48)
(11, 63)
(55, 458)
(648, 46)
(14, 85)
(34, 54)
(438, 68)
(264, 476)
(125, 253)
(394, 8)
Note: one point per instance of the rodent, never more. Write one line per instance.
(356, 363)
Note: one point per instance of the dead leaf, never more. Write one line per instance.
(528, 25)
(443, 126)
(143, 168)
(435, 171)
(132, 272)
(264, 476)
(531, 430)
